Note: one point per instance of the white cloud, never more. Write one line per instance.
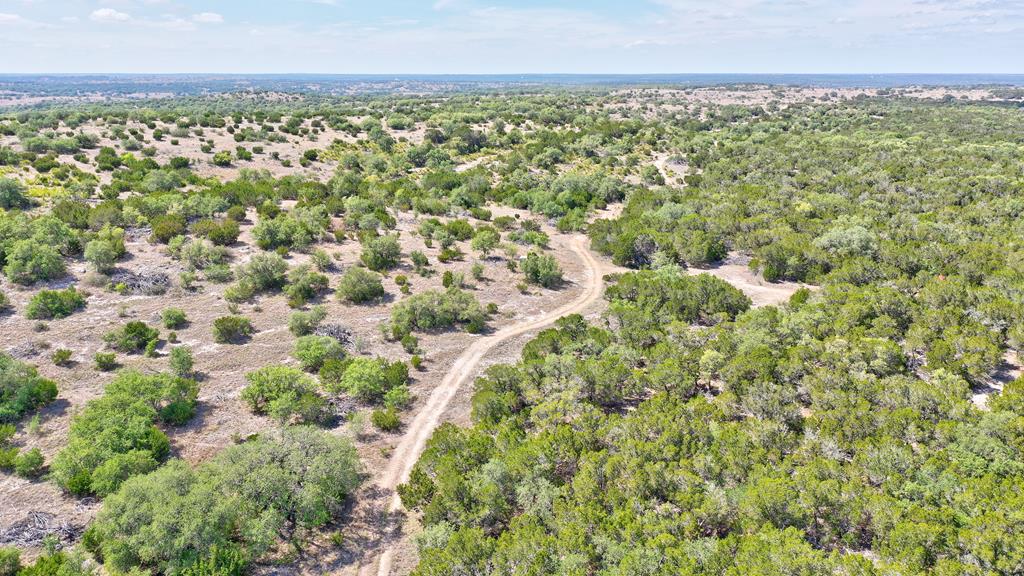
(208, 18)
(109, 15)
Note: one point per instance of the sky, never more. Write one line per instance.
(509, 37)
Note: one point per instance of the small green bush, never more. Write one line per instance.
(284, 392)
(313, 351)
(54, 304)
(386, 419)
(358, 285)
(542, 269)
(10, 561)
(132, 338)
(61, 357)
(181, 361)
(302, 323)
(22, 389)
(174, 318)
(105, 361)
(29, 261)
(166, 226)
(231, 329)
(29, 464)
(381, 253)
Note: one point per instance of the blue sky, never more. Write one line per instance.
(502, 36)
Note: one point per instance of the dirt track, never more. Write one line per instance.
(413, 442)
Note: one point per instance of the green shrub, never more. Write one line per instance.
(313, 351)
(29, 261)
(381, 253)
(358, 285)
(132, 338)
(10, 561)
(231, 329)
(386, 419)
(61, 357)
(29, 464)
(398, 397)
(181, 361)
(435, 310)
(304, 284)
(5, 302)
(101, 254)
(212, 520)
(54, 304)
(369, 379)
(284, 393)
(166, 226)
(22, 389)
(12, 195)
(174, 318)
(542, 269)
(302, 323)
(265, 272)
(123, 420)
(105, 361)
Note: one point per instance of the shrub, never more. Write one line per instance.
(236, 213)
(435, 310)
(132, 338)
(359, 285)
(304, 284)
(222, 233)
(386, 419)
(105, 361)
(369, 379)
(302, 323)
(61, 357)
(29, 261)
(123, 420)
(381, 253)
(231, 329)
(222, 159)
(10, 561)
(181, 361)
(54, 304)
(321, 260)
(313, 351)
(5, 303)
(101, 255)
(29, 464)
(210, 521)
(166, 226)
(22, 389)
(398, 397)
(174, 318)
(265, 272)
(12, 195)
(284, 392)
(542, 269)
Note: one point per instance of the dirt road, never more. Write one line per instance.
(413, 442)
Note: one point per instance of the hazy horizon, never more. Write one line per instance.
(504, 37)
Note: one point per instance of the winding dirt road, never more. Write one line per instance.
(426, 421)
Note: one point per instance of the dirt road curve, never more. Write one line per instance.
(413, 442)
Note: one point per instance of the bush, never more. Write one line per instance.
(102, 255)
(105, 361)
(29, 261)
(103, 436)
(61, 357)
(54, 304)
(22, 389)
(542, 269)
(5, 303)
(12, 195)
(369, 379)
(166, 226)
(210, 521)
(284, 392)
(435, 310)
(358, 285)
(381, 253)
(222, 233)
(181, 361)
(303, 323)
(10, 561)
(304, 284)
(174, 318)
(386, 419)
(313, 351)
(132, 338)
(265, 272)
(231, 329)
(29, 464)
